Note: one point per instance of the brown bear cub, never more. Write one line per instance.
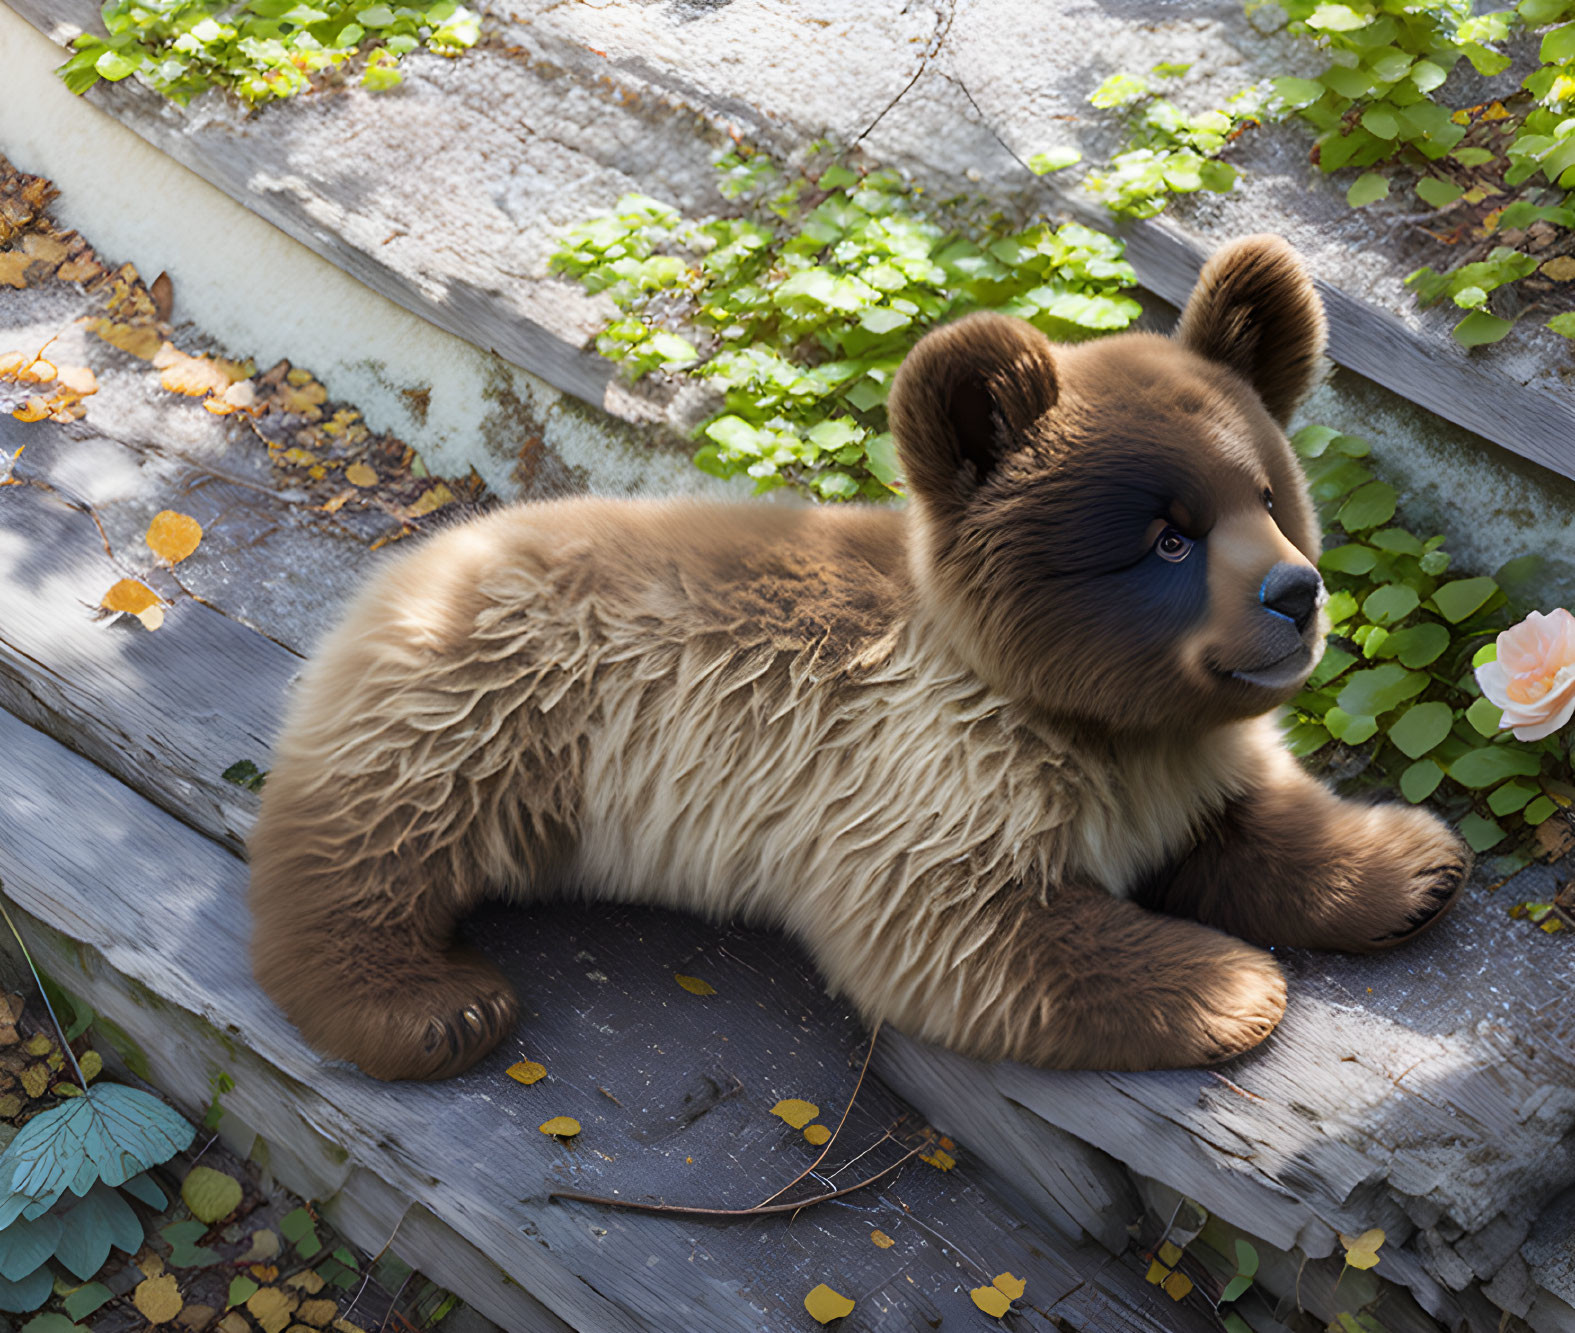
(1003, 759)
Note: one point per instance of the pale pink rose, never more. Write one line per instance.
(1533, 680)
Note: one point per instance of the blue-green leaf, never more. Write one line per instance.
(88, 1230)
(25, 1244)
(28, 1294)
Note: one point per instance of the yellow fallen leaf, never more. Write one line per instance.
(562, 1126)
(694, 985)
(1170, 1254)
(431, 500)
(83, 268)
(527, 1071)
(13, 265)
(265, 1245)
(141, 340)
(1362, 1251)
(173, 536)
(1496, 112)
(35, 1080)
(1157, 1273)
(299, 457)
(824, 1304)
(34, 409)
(1014, 1287)
(79, 379)
(303, 399)
(158, 1299)
(37, 371)
(992, 1300)
(817, 1134)
(795, 1111)
(92, 1065)
(1560, 269)
(940, 1159)
(190, 375)
(271, 1308)
(38, 1044)
(149, 1262)
(1177, 1286)
(307, 1280)
(361, 474)
(135, 599)
(881, 1239)
(45, 248)
(317, 1313)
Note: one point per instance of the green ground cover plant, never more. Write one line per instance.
(262, 50)
(1482, 175)
(798, 301)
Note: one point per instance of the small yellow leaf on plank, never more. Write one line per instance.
(158, 1299)
(795, 1111)
(271, 1308)
(173, 536)
(1170, 1254)
(881, 1239)
(992, 1300)
(135, 599)
(1157, 1273)
(940, 1159)
(695, 986)
(92, 1064)
(141, 340)
(1013, 1286)
(1177, 1286)
(1560, 269)
(527, 1071)
(211, 1195)
(1362, 1251)
(265, 1245)
(361, 474)
(38, 1044)
(824, 1304)
(563, 1126)
(79, 379)
(317, 1313)
(35, 1080)
(1496, 112)
(10, 1105)
(12, 266)
(34, 409)
(431, 500)
(307, 1280)
(45, 248)
(817, 1134)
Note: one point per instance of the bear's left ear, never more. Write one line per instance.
(1255, 310)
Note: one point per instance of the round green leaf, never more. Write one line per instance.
(1480, 834)
(1246, 1259)
(1397, 540)
(115, 65)
(1370, 693)
(1420, 780)
(1485, 716)
(1392, 602)
(1538, 810)
(1510, 797)
(1379, 120)
(1480, 328)
(1418, 645)
(1490, 764)
(1351, 558)
(1457, 600)
(211, 1195)
(1054, 159)
(1369, 506)
(1367, 189)
(1420, 728)
(1438, 192)
(1352, 728)
(1296, 93)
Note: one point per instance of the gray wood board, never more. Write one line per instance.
(674, 1092)
(592, 105)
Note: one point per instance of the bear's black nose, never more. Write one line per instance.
(1292, 591)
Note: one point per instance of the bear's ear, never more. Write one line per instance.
(963, 399)
(1255, 310)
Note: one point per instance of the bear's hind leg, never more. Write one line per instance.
(360, 958)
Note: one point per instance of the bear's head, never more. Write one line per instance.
(1118, 531)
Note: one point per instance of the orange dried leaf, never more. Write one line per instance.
(34, 409)
(992, 1300)
(824, 1304)
(431, 501)
(79, 379)
(194, 376)
(13, 265)
(1012, 1287)
(141, 340)
(562, 1126)
(361, 474)
(135, 599)
(694, 985)
(44, 248)
(84, 268)
(37, 371)
(881, 1239)
(527, 1071)
(817, 1134)
(173, 536)
(940, 1159)
(299, 457)
(1177, 1286)
(795, 1111)
(304, 399)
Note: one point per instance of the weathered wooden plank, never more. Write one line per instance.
(144, 917)
(545, 85)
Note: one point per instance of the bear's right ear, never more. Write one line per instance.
(963, 399)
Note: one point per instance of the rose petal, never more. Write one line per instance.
(1552, 711)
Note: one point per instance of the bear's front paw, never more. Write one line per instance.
(1413, 875)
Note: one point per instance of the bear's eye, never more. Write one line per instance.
(1173, 546)
(1268, 499)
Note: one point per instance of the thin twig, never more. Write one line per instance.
(759, 1210)
(832, 1141)
(38, 981)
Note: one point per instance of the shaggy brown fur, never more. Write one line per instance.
(952, 749)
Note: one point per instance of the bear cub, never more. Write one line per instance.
(1003, 759)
